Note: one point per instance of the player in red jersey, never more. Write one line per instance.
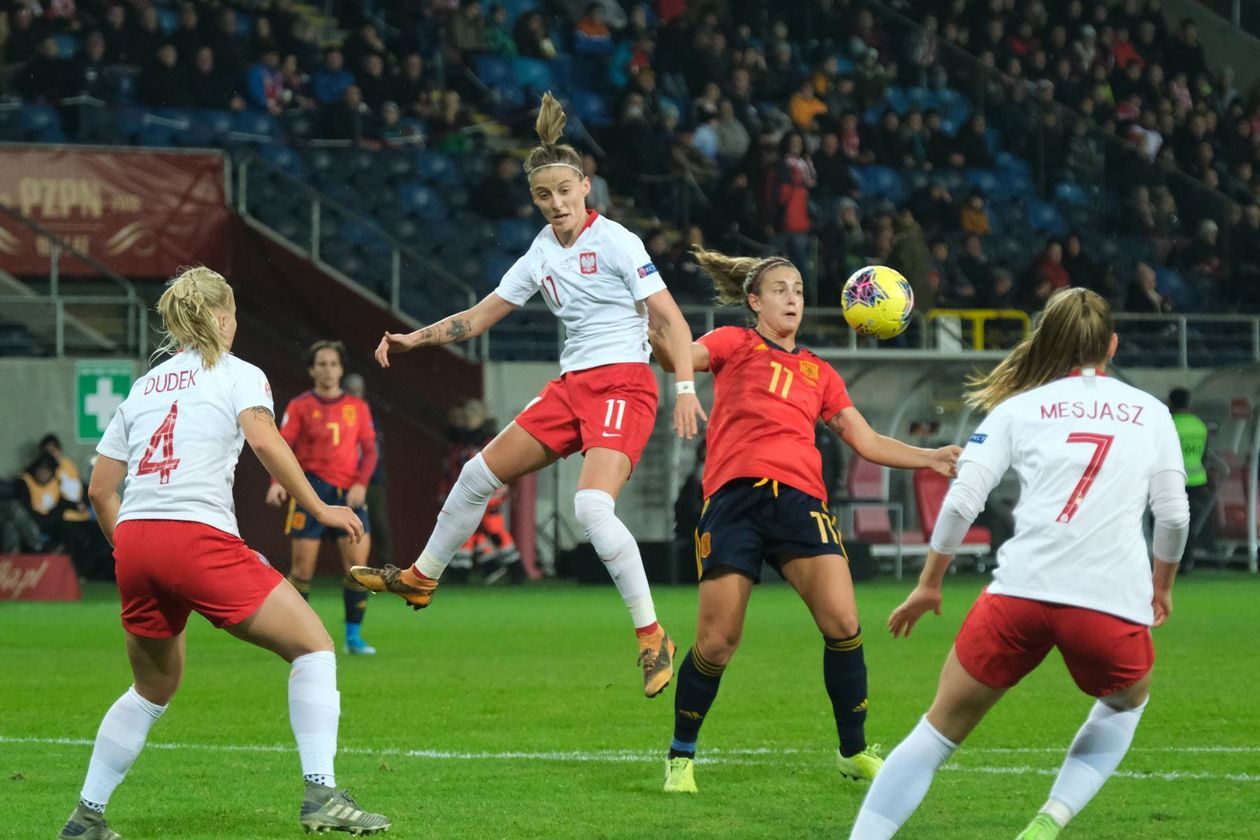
(765, 500)
(332, 434)
(600, 282)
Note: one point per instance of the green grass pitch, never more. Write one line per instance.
(519, 713)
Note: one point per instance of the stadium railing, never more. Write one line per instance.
(402, 278)
(58, 316)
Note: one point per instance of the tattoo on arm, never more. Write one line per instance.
(836, 424)
(262, 414)
(458, 328)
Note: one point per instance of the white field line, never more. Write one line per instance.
(753, 756)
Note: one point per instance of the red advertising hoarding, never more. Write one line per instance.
(142, 213)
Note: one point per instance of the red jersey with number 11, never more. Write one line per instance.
(765, 405)
(332, 437)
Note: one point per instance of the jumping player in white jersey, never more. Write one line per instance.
(175, 441)
(599, 281)
(1090, 453)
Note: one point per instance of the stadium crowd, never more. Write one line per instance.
(839, 132)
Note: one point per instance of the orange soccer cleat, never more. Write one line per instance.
(411, 587)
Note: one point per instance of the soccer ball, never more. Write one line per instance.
(877, 301)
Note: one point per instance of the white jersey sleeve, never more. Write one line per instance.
(114, 443)
(991, 445)
(519, 283)
(250, 389)
(1167, 455)
(636, 267)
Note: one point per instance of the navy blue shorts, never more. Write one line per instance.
(750, 521)
(301, 525)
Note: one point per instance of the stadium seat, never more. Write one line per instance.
(67, 45)
(929, 495)
(985, 181)
(257, 124)
(514, 235)
(421, 201)
(590, 108)
(1045, 217)
(1069, 194)
(282, 157)
(880, 182)
(532, 74)
(436, 168)
(865, 486)
(1231, 499)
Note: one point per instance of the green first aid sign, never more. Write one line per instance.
(99, 388)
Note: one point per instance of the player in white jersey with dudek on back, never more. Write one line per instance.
(175, 441)
(599, 281)
(1091, 453)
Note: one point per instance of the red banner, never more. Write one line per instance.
(139, 212)
(38, 577)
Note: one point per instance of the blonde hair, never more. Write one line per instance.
(190, 307)
(1074, 331)
(735, 278)
(550, 128)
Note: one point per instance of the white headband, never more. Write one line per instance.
(545, 165)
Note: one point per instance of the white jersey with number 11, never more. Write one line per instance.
(1085, 448)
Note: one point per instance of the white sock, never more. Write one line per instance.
(314, 706)
(1094, 755)
(615, 545)
(462, 511)
(119, 740)
(902, 782)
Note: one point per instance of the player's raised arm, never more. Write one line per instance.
(887, 451)
(461, 326)
(676, 337)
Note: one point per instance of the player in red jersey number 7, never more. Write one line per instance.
(1091, 453)
(765, 501)
(177, 549)
(597, 278)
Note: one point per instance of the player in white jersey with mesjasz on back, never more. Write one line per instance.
(175, 441)
(597, 278)
(1091, 454)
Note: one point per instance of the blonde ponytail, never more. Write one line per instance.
(735, 278)
(190, 307)
(550, 128)
(1074, 330)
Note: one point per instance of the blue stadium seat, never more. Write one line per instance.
(590, 107)
(1071, 195)
(434, 167)
(493, 266)
(210, 125)
(1045, 217)
(421, 201)
(168, 19)
(514, 234)
(898, 100)
(37, 118)
(282, 157)
(985, 181)
(880, 182)
(494, 71)
(67, 45)
(258, 123)
(532, 74)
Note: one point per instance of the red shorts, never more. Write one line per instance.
(1004, 638)
(166, 569)
(613, 406)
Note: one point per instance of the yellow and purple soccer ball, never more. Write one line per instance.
(877, 301)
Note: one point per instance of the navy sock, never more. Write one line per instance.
(844, 673)
(697, 685)
(355, 598)
(302, 585)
